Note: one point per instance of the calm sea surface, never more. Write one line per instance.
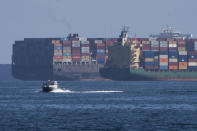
(91, 106)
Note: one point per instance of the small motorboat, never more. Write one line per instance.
(49, 86)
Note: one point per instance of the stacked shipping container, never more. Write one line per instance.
(57, 51)
(182, 55)
(66, 51)
(173, 54)
(100, 52)
(76, 51)
(85, 51)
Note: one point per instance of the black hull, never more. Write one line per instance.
(47, 89)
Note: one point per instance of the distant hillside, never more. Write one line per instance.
(5, 72)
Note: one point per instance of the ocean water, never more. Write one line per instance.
(99, 105)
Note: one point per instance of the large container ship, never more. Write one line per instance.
(167, 56)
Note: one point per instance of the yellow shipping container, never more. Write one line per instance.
(172, 42)
(145, 42)
(66, 57)
(181, 49)
(85, 57)
(183, 67)
(66, 51)
(149, 59)
(57, 51)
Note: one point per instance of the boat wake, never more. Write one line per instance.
(101, 91)
(61, 91)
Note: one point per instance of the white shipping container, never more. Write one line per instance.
(57, 54)
(85, 50)
(85, 60)
(182, 52)
(173, 60)
(82, 39)
(66, 60)
(195, 42)
(156, 57)
(192, 63)
(163, 63)
(154, 43)
(75, 43)
(163, 56)
(163, 45)
(85, 42)
(152, 39)
(172, 45)
(98, 41)
(164, 42)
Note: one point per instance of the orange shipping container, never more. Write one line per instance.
(182, 63)
(163, 59)
(173, 67)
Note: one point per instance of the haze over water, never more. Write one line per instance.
(90, 18)
(99, 106)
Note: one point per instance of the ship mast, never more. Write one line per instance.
(124, 35)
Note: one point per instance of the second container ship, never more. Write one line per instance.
(167, 56)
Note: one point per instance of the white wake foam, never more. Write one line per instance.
(61, 91)
(102, 91)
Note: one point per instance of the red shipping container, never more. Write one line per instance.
(192, 53)
(101, 48)
(100, 45)
(146, 48)
(85, 45)
(66, 45)
(85, 54)
(149, 67)
(57, 57)
(172, 48)
(67, 42)
(192, 60)
(154, 48)
(109, 43)
(156, 67)
(57, 44)
(181, 42)
(163, 48)
(100, 56)
(76, 54)
(173, 63)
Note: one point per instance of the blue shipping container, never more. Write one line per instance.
(67, 54)
(149, 63)
(66, 48)
(57, 47)
(192, 56)
(100, 60)
(163, 67)
(192, 67)
(100, 51)
(163, 52)
(173, 54)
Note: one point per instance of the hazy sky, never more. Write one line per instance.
(20, 19)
